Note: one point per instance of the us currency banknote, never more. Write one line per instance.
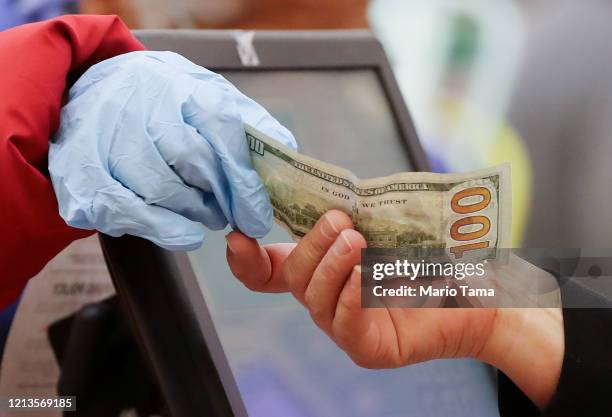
(459, 212)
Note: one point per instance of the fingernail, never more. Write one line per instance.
(356, 276)
(342, 246)
(229, 245)
(328, 228)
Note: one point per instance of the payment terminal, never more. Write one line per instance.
(216, 348)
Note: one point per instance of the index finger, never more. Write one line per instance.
(258, 268)
(302, 262)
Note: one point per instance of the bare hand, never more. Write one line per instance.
(322, 272)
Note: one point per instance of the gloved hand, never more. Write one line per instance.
(152, 145)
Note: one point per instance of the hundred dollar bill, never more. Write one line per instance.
(458, 212)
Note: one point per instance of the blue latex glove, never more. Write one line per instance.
(152, 145)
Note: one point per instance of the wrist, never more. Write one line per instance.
(527, 344)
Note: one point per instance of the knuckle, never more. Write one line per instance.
(162, 194)
(287, 272)
(310, 299)
(315, 249)
(346, 305)
(328, 271)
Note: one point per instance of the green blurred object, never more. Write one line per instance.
(464, 41)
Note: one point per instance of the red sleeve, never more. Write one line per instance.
(37, 61)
